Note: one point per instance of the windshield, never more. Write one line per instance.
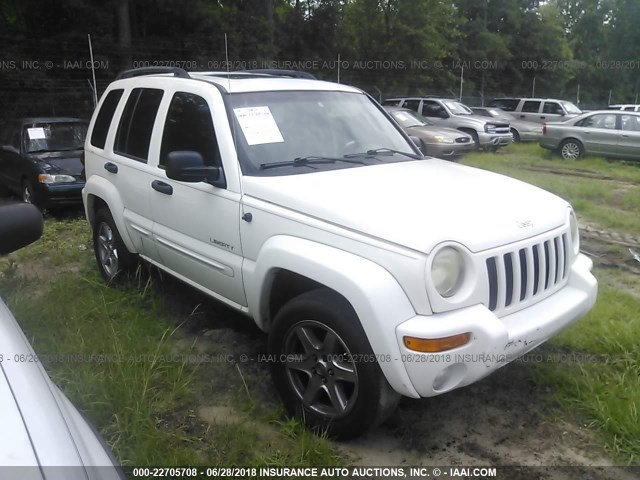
(54, 136)
(287, 128)
(409, 119)
(457, 108)
(571, 108)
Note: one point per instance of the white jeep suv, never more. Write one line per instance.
(375, 271)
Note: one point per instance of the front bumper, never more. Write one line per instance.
(494, 341)
(449, 150)
(58, 195)
(495, 139)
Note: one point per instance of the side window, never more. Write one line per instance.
(531, 106)
(600, 120)
(630, 123)
(431, 108)
(552, 107)
(136, 124)
(189, 127)
(411, 104)
(103, 120)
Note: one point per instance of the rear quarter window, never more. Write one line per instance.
(136, 124)
(103, 120)
(506, 104)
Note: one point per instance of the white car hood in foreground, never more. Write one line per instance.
(40, 427)
(418, 204)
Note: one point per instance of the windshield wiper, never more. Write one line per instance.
(383, 151)
(309, 160)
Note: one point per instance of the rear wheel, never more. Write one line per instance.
(324, 368)
(112, 256)
(571, 149)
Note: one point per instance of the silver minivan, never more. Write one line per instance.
(539, 110)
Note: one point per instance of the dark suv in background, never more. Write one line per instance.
(40, 160)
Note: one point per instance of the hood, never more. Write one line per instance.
(36, 433)
(418, 204)
(15, 446)
(59, 162)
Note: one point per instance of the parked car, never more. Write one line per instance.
(42, 432)
(440, 142)
(40, 160)
(538, 110)
(444, 112)
(625, 107)
(601, 132)
(522, 130)
(376, 272)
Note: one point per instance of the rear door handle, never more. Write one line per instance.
(522, 116)
(162, 187)
(111, 167)
(543, 117)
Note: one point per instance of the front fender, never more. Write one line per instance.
(374, 294)
(98, 187)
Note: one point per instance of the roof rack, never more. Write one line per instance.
(138, 72)
(280, 73)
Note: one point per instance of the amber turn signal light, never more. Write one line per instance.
(434, 345)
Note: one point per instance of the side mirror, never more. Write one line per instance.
(10, 148)
(443, 113)
(20, 225)
(188, 166)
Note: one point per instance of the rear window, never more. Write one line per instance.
(103, 120)
(136, 124)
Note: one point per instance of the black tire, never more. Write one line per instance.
(319, 347)
(474, 135)
(571, 149)
(113, 258)
(516, 135)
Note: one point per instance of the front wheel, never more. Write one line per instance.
(571, 149)
(516, 135)
(324, 368)
(112, 255)
(27, 192)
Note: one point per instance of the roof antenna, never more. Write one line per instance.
(245, 216)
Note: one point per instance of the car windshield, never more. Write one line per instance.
(409, 119)
(571, 108)
(54, 136)
(292, 132)
(457, 108)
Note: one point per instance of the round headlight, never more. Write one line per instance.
(447, 271)
(575, 235)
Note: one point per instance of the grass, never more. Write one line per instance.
(594, 366)
(121, 355)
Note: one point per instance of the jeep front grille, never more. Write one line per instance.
(519, 276)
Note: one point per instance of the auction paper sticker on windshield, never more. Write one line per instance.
(258, 125)
(36, 133)
(402, 116)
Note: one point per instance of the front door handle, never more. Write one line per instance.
(162, 187)
(543, 117)
(111, 167)
(522, 116)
